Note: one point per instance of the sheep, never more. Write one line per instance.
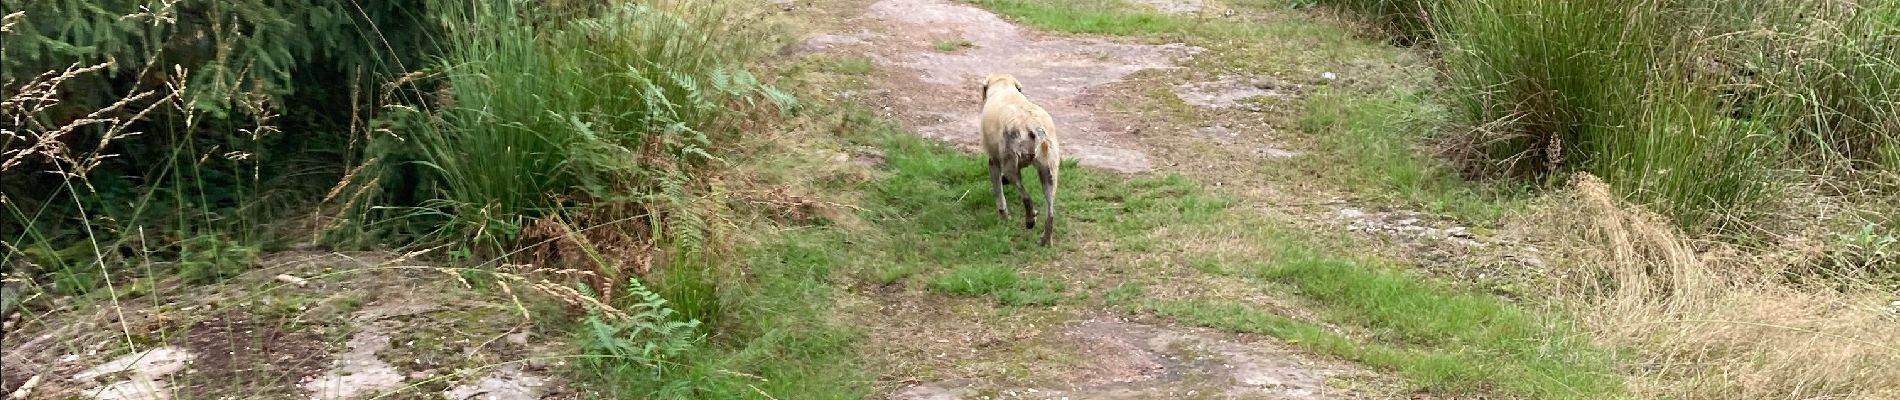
(1017, 134)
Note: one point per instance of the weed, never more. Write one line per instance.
(207, 259)
(647, 341)
(952, 45)
(1869, 252)
(858, 65)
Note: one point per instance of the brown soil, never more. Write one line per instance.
(939, 91)
(238, 355)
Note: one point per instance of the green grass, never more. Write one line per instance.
(853, 65)
(951, 45)
(1001, 282)
(1113, 17)
(599, 112)
(1441, 339)
(778, 335)
(1380, 142)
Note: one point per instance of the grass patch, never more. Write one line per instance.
(1113, 17)
(952, 45)
(1511, 348)
(1430, 370)
(853, 65)
(1441, 339)
(1002, 282)
(1444, 339)
(1378, 140)
(777, 335)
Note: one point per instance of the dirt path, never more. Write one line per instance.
(938, 88)
(933, 54)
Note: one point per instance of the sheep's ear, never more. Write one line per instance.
(985, 94)
(1019, 87)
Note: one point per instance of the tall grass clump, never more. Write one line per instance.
(605, 133)
(617, 108)
(1836, 82)
(1600, 86)
(1405, 19)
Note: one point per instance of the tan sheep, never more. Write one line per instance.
(1017, 134)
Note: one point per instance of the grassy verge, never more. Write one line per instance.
(1114, 17)
(1382, 142)
(779, 334)
(1442, 339)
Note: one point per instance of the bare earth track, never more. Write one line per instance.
(956, 353)
(940, 89)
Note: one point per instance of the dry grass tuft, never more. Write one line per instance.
(1706, 321)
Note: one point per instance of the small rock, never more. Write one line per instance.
(1459, 232)
(150, 363)
(1270, 152)
(1351, 213)
(506, 383)
(1329, 76)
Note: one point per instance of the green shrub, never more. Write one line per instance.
(617, 108)
(134, 126)
(1837, 82)
(1600, 86)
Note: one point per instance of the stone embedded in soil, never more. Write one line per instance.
(937, 391)
(358, 373)
(146, 369)
(504, 383)
(150, 363)
(822, 42)
(1274, 152)
(140, 388)
(1217, 133)
(1126, 360)
(1175, 6)
(1228, 91)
